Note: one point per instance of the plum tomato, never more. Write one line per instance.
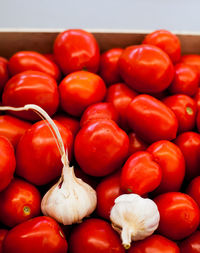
(192, 60)
(198, 121)
(140, 174)
(166, 41)
(80, 89)
(37, 154)
(19, 202)
(136, 143)
(94, 235)
(191, 244)
(146, 68)
(3, 233)
(40, 234)
(101, 147)
(108, 69)
(4, 75)
(193, 189)
(151, 119)
(75, 50)
(179, 215)
(31, 87)
(197, 98)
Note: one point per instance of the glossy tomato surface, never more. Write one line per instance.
(197, 98)
(99, 238)
(192, 60)
(40, 234)
(191, 244)
(3, 233)
(4, 75)
(193, 189)
(136, 143)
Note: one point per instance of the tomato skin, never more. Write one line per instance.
(3, 233)
(75, 50)
(154, 243)
(7, 162)
(179, 215)
(101, 147)
(37, 155)
(19, 202)
(172, 163)
(31, 87)
(120, 96)
(193, 189)
(31, 236)
(197, 98)
(108, 69)
(99, 111)
(80, 89)
(136, 144)
(31, 60)
(146, 68)
(13, 128)
(100, 238)
(107, 191)
(192, 60)
(145, 109)
(185, 109)
(191, 244)
(4, 75)
(140, 174)
(166, 41)
(189, 143)
(198, 121)
(186, 80)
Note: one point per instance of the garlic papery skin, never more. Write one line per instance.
(134, 217)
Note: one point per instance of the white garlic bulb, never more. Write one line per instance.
(134, 217)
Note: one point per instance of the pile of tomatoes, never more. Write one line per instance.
(130, 120)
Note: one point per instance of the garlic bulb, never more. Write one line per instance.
(70, 199)
(134, 217)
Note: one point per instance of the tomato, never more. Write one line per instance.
(189, 143)
(151, 119)
(40, 234)
(166, 41)
(92, 181)
(107, 191)
(99, 111)
(109, 70)
(19, 202)
(120, 96)
(31, 87)
(154, 244)
(31, 60)
(13, 128)
(50, 57)
(3, 233)
(75, 50)
(191, 244)
(79, 90)
(99, 238)
(197, 98)
(101, 147)
(4, 75)
(185, 109)
(37, 154)
(146, 68)
(140, 174)
(7, 162)
(186, 80)
(198, 121)
(179, 215)
(193, 189)
(192, 60)
(135, 144)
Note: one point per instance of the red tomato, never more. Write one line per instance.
(198, 121)
(109, 70)
(154, 244)
(31, 87)
(186, 80)
(92, 181)
(3, 233)
(146, 68)
(172, 163)
(4, 76)
(197, 98)
(99, 238)
(185, 109)
(31, 60)
(99, 111)
(19, 202)
(120, 96)
(189, 143)
(76, 50)
(50, 57)
(40, 234)
(140, 174)
(101, 147)
(79, 90)
(166, 41)
(13, 128)
(179, 215)
(192, 60)
(37, 155)
(193, 189)
(107, 191)
(191, 244)
(151, 119)
(135, 144)
(7, 162)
